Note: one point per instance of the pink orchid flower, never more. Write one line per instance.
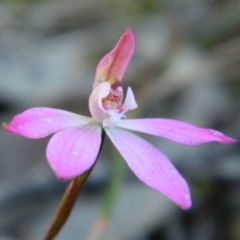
(74, 147)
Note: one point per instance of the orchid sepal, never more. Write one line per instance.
(114, 64)
(151, 166)
(40, 122)
(175, 130)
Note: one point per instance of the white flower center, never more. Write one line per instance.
(105, 102)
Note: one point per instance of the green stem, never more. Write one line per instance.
(114, 186)
(68, 201)
(110, 198)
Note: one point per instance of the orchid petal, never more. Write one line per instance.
(177, 131)
(151, 166)
(113, 65)
(130, 102)
(40, 122)
(95, 101)
(72, 151)
(115, 116)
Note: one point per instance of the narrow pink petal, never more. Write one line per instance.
(72, 151)
(176, 131)
(114, 64)
(40, 122)
(151, 166)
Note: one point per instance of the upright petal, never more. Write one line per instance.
(151, 166)
(113, 65)
(130, 102)
(40, 122)
(177, 131)
(72, 151)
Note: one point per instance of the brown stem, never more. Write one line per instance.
(68, 201)
(66, 205)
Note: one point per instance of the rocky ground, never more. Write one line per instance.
(186, 66)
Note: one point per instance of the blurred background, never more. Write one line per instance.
(186, 66)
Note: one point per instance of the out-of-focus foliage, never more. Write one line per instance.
(186, 66)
